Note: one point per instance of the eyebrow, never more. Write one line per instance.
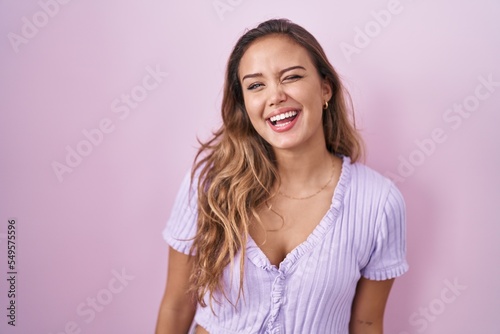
(255, 75)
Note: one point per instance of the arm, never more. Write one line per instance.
(367, 316)
(177, 307)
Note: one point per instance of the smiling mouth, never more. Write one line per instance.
(283, 119)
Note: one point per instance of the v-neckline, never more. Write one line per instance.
(260, 259)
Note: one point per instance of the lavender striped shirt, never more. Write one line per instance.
(363, 234)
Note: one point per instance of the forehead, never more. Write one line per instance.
(272, 54)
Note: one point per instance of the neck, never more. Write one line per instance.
(304, 172)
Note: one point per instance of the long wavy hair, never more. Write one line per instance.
(236, 169)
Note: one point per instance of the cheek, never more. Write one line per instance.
(254, 106)
(308, 94)
(254, 118)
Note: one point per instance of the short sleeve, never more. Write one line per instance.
(181, 225)
(388, 257)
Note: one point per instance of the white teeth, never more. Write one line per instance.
(283, 116)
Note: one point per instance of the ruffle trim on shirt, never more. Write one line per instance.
(328, 220)
(255, 254)
(257, 257)
(182, 223)
(388, 273)
(182, 246)
(277, 299)
(317, 235)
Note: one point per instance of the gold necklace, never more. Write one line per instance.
(317, 192)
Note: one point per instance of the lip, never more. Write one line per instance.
(288, 126)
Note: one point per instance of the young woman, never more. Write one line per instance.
(278, 229)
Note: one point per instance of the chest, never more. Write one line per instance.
(286, 223)
(311, 288)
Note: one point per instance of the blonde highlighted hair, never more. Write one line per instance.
(236, 168)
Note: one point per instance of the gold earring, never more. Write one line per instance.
(326, 105)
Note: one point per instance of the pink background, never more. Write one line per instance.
(79, 231)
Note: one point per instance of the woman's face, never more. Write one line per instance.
(284, 94)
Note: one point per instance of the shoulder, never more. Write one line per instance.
(370, 185)
(362, 173)
(181, 225)
(190, 182)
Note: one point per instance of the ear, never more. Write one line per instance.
(326, 90)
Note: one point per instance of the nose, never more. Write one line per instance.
(276, 95)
